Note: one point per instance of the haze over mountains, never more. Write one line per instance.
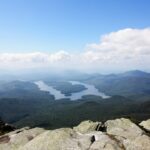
(129, 83)
(24, 104)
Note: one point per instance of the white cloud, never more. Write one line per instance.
(124, 49)
(35, 57)
(126, 41)
(127, 48)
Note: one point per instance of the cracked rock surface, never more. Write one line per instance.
(118, 134)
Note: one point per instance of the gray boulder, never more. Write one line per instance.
(87, 126)
(15, 139)
(145, 124)
(59, 139)
(120, 134)
(129, 134)
(123, 128)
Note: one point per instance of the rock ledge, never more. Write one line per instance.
(118, 134)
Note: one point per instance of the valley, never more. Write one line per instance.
(65, 102)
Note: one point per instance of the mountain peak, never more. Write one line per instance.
(135, 73)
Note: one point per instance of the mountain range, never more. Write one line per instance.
(22, 103)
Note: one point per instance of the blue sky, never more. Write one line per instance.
(86, 35)
(53, 25)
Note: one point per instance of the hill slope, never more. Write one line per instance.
(130, 84)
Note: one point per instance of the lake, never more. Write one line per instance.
(90, 90)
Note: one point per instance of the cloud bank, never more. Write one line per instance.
(121, 50)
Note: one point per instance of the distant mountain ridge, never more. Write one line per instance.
(134, 83)
(135, 73)
(131, 84)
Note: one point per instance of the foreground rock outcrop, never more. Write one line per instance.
(146, 124)
(119, 134)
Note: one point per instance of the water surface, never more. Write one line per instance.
(90, 90)
(44, 87)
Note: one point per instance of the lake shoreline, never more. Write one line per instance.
(89, 90)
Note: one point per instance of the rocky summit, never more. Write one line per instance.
(118, 134)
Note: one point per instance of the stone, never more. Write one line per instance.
(145, 124)
(87, 126)
(19, 138)
(139, 143)
(104, 142)
(118, 134)
(59, 139)
(123, 128)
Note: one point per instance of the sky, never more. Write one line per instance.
(88, 35)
